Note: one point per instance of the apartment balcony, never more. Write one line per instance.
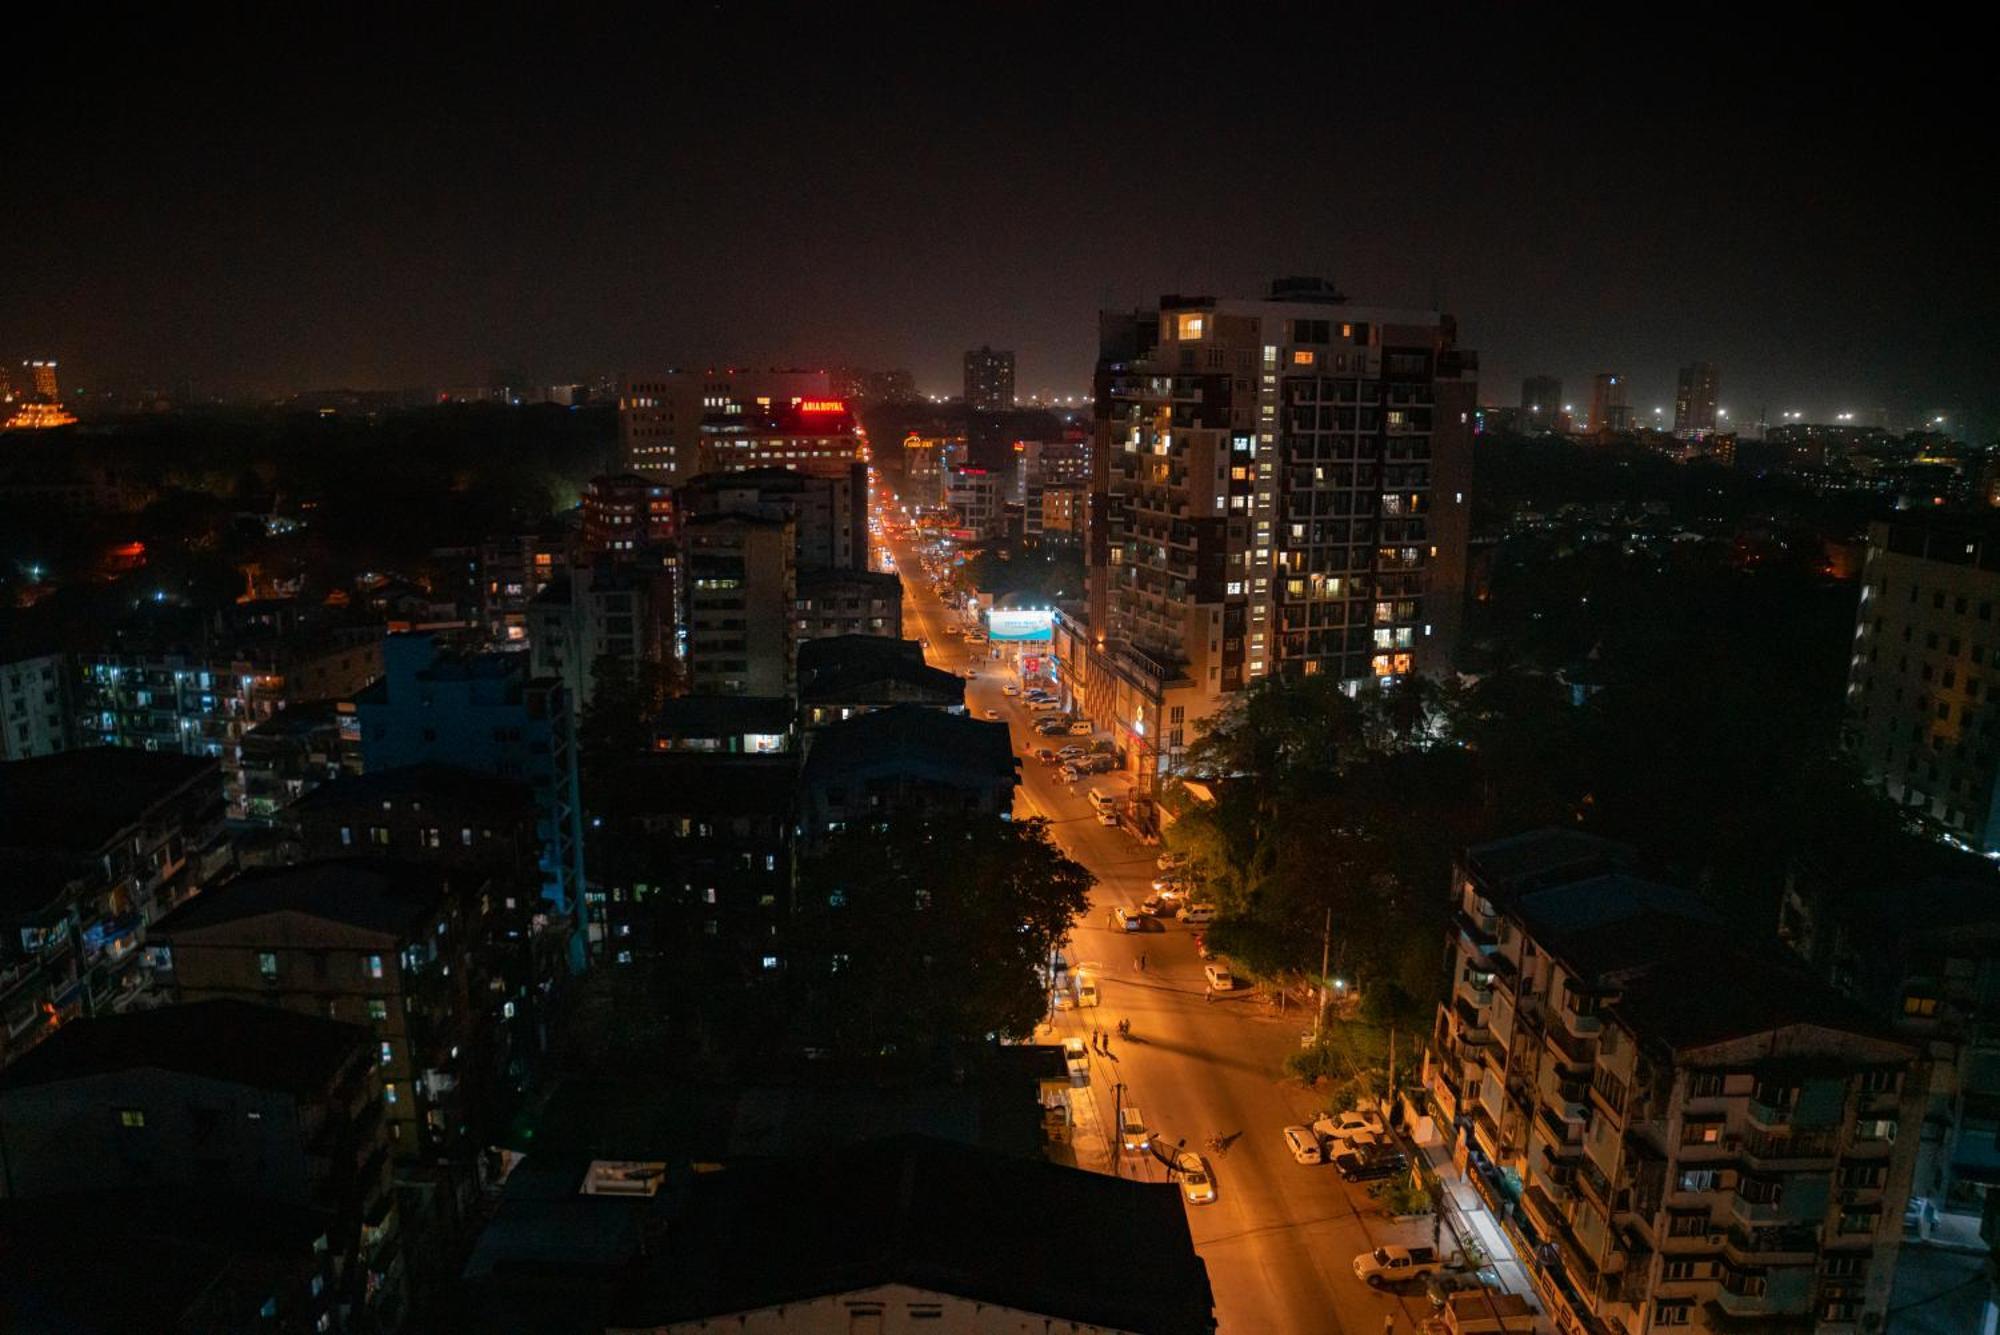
(1772, 1245)
(1768, 1114)
(1570, 1050)
(1756, 1214)
(1566, 1135)
(1482, 933)
(1579, 1025)
(1470, 1025)
(1792, 1147)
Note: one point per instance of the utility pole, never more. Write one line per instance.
(1325, 962)
(1389, 1082)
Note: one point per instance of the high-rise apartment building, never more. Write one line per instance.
(829, 510)
(1921, 714)
(1694, 400)
(739, 582)
(623, 514)
(39, 379)
(1609, 410)
(664, 418)
(1281, 485)
(989, 380)
(1542, 398)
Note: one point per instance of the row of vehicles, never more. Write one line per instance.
(1196, 1177)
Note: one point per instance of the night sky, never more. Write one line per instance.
(261, 206)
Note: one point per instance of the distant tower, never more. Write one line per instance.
(1694, 400)
(1542, 397)
(42, 377)
(1608, 409)
(989, 380)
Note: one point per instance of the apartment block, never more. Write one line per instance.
(36, 714)
(829, 512)
(739, 588)
(665, 420)
(1681, 1130)
(848, 602)
(1280, 486)
(1922, 718)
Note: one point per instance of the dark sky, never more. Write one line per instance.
(262, 204)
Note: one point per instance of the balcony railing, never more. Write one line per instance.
(1570, 1048)
(1796, 1143)
(1778, 1240)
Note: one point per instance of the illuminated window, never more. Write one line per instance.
(388, 1052)
(1191, 327)
(1304, 358)
(374, 966)
(267, 965)
(133, 1117)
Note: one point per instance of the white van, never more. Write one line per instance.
(1101, 801)
(1086, 989)
(1132, 1131)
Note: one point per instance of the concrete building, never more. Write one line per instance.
(829, 512)
(1922, 718)
(484, 712)
(95, 847)
(623, 514)
(222, 1107)
(989, 380)
(37, 716)
(1280, 486)
(819, 437)
(1679, 1129)
(1542, 398)
(295, 751)
(905, 759)
(1609, 410)
(661, 417)
(374, 942)
(974, 495)
(1695, 393)
(513, 571)
(844, 675)
(739, 589)
(201, 695)
(623, 611)
(847, 602)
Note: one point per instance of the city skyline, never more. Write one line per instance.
(342, 223)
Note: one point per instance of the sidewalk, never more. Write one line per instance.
(1471, 1221)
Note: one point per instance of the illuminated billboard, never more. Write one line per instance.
(1014, 626)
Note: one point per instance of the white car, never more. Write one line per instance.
(1220, 978)
(1354, 1122)
(1077, 1055)
(1010, 690)
(1080, 729)
(1196, 914)
(1127, 920)
(1132, 1132)
(1197, 1183)
(1070, 752)
(1086, 989)
(1041, 706)
(1303, 1144)
(1349, 1141)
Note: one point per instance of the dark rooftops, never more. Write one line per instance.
(374, 894)
(445, 786)
(872, 669)
(1602, 925)
(1715, 991)
(815, 581)
(1543, 857)
(905, 734)
(79, 800)
(236, 1041)
(914, 1210)
(704, 716)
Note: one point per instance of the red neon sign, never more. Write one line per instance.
(822, 405)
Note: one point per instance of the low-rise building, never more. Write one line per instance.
(1679, 1128)
(905, 760)
(844, 675)
(95, 846)
(295, 751)
(848, 602)
(191, 1102)
(734, 724)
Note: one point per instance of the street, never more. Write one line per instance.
(1280, 1238)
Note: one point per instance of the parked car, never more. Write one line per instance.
(1356, 1120)
(1081, 728)
(1068, 774)
(1393, 1265)
(1153, 908)
(1197, 1183)
(1077, 1056)
(1046, 756)
(1196, 914)
(1127, 920)
(1070, 752)
(1371, 1163)
(1220, 978)
(1041, 706)
(1108, 817)
(1010, 690)
(1303, 1144)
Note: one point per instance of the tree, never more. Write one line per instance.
(921, 933)
(615, 725)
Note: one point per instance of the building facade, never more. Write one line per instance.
(739, 589)
(829, 512)
(36, 714)
(1281, 486)
(623, 514)
(1679, 1131)
(663, 418)
(1695, 393)
(1922, 719)
(989, 380)
(1609, 410)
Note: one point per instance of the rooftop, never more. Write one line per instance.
(723, 715)
(77, 801)
(374, 894)
(234, 1041)
(446, 787)
(937, 1216)
(912, 734)
(1720, 992)
(1602, 925)
(1542, 857)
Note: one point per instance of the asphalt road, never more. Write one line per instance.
(1280, 1239)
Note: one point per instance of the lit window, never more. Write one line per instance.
(135, 1117)
(374, 966)
(378, 1009)
(1191, 328)
(388, 1052)
(1303, 358)
(267, 965)
(389, 1091)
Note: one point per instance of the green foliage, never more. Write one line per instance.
(1404, 1196)
(920, 934)
(614, 728)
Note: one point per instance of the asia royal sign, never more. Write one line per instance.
(822, 405)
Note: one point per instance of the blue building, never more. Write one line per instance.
(485, 712)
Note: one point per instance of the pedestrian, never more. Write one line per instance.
(1142, 961)
(1389, 1324)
